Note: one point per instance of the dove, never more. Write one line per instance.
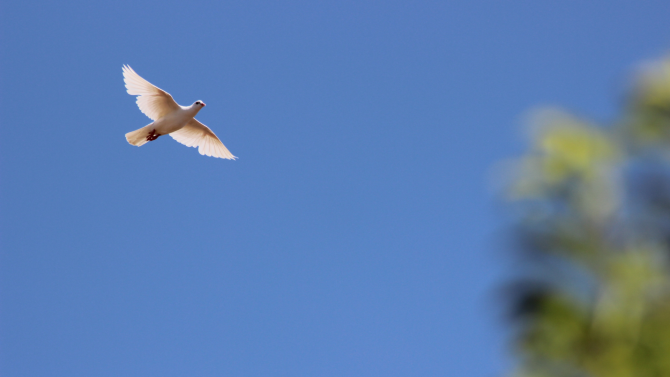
(170, 119)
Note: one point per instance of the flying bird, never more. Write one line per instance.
(170, 118)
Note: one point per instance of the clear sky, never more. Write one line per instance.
(357, 234)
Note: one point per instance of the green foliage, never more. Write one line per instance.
(594, 226)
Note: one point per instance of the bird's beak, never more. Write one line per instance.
(203, 104)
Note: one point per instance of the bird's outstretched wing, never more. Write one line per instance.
(196, 134)
(152, 101)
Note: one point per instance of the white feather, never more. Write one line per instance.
(196, 134)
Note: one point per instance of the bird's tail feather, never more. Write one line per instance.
(139, 137)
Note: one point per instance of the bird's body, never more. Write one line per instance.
(170, 119)
(175, 120)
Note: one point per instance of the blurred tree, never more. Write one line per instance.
(594, 219)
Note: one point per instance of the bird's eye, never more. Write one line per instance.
(197, 103)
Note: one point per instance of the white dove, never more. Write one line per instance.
(170, 118)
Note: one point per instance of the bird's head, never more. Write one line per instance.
(197, 105)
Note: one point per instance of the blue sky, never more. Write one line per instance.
(357, 234)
